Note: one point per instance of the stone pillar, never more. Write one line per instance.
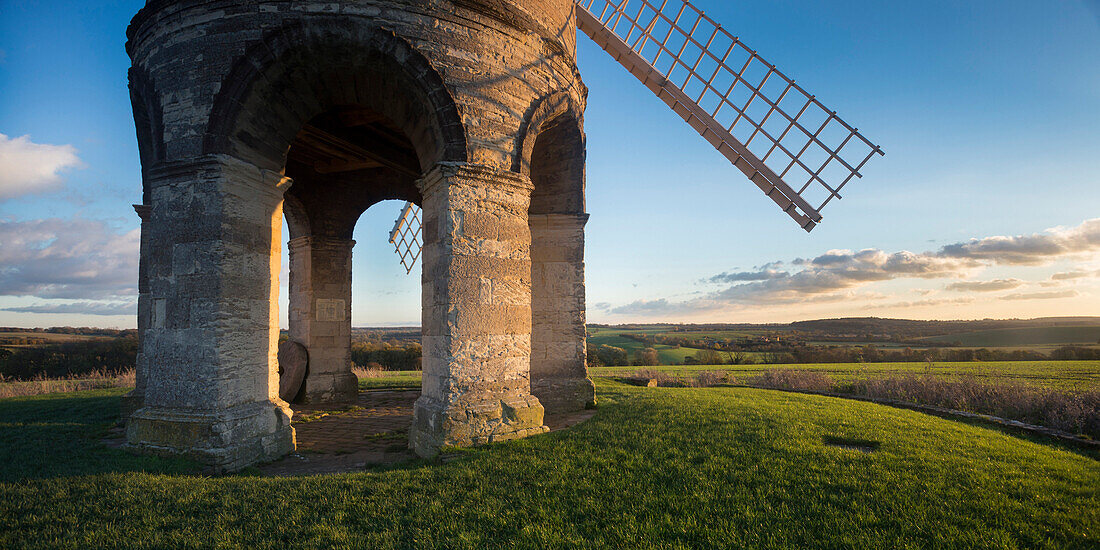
(320, 316)
(559, 372)
(476, 310)
(211, 388)
(133, 401)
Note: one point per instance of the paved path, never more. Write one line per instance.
(373, 431)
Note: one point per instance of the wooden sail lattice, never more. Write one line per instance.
(405, 235)
(758, 118)
(764, 123)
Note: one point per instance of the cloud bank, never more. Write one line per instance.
(834, 275)
(81, 308)
(72, 259)
(27, 168)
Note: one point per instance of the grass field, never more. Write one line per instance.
(655, 468)
(1053, 374)
(611, 337)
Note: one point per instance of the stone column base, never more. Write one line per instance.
(436, 425)
(563, 395)
(228, 440)
(330, 389)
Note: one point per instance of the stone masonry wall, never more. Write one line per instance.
(559, 373)
(476, 310)
(320, 316)
(211, 385)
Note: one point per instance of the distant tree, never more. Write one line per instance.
(648, 357)
(708, 357)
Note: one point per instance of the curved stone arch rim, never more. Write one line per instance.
(248, 70)
(544, 110)
(148, 121)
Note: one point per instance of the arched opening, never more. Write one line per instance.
(559, 376)
(342, 162)
(353, 115)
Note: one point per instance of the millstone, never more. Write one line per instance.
(293, 363)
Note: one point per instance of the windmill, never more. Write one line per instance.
(797, 151)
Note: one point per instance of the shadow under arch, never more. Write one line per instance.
(316, 64)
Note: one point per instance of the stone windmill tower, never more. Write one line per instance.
(251, 110)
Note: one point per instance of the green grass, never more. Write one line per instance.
(1015, 337)
(1054, 374)
(59, 434)
(655, 468)
(392, 380)
(665, 353)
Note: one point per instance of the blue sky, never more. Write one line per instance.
(982, 206)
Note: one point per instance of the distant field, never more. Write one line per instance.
(1017, 337)
(48, 337)
(1054, 374)
(666, 354)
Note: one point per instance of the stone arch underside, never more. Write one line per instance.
(319, 64)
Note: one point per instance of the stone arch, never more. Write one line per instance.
(552, 154)
(543, 111)
(297, 218)
(314, 65)
(148, 121)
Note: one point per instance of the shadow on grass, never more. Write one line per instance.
(59, 435)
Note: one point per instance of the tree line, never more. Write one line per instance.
(70, 358)
(386, 356)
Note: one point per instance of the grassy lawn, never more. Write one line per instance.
(57, 435)
(655, 468)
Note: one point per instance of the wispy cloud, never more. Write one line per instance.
(922, 303)
(67, 258)
(985, 286)
(27, 167)
(1052, 295)
(82, 308)
(833, 275)
(1071, 275)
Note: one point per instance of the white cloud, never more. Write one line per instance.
(27, 167)
(73, 259)
(1034, 249)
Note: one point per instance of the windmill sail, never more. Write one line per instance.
(405, 235)
(797, 151)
